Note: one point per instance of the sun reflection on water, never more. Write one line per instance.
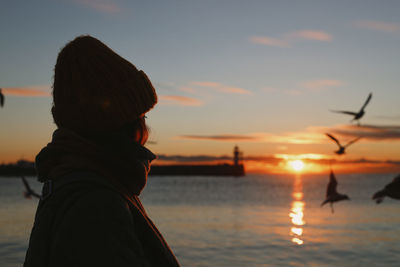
(297, 212)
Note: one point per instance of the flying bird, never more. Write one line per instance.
(331, 194)
(29, 191)
(1, 98)
(391, 190)
(342, 149)
(357, 115)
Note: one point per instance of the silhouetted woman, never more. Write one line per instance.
(96, 166)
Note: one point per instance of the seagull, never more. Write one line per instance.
(391, 190)
(1, 98)
(341, 149)
(357, 115)
(29, 192)
(331, 194)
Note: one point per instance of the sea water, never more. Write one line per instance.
(257, 220)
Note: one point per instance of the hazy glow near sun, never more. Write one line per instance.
(297, 165)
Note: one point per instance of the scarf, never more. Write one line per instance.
(115, 156)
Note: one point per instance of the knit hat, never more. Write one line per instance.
(96, 90)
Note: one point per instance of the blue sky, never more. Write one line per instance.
(259, 69)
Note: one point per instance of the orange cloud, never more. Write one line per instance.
(320, 85)
(388, 133)
(221, 137)
(287, 39)
(312, 135)
(316, 134)
(221, 87)
(378, 26)
(264, 40)
(31, 91)
(282, 138)
(207, 84)
(310, 35)
(180, 100)
(306, 137)
(234, 90)
(104, 6)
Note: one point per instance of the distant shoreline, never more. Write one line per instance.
(20, 168)
(26, 168)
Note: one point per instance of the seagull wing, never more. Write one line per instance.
(394, 184)
(353, 141)
(334, 139)
(331, 190)
(367, 101)
(393, 189)
(378, 196)
(28, 188)
(1, 98)
(396, 179)
(345, 112)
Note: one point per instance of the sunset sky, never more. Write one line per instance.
(260, 74)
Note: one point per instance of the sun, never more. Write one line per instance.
(296, 165)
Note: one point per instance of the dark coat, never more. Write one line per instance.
(84, 221)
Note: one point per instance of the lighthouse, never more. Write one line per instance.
(236, 154)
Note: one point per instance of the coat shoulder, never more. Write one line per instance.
(82, 195)
(88, 222)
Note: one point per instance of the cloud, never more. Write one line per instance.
(234, 90)
(288, 39)
(388, 117)
(282, 138)
(316, 134)
(221, 137)
(365, 160)
(282, 148)
(369, 132)
(264, 40)
(321, 85)
(300, 138)
(30, 91)
(309, 35)
(105, 6)
(311, 135)
(180, 100)
(378, 26)
(207, 84)
(221, 87)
